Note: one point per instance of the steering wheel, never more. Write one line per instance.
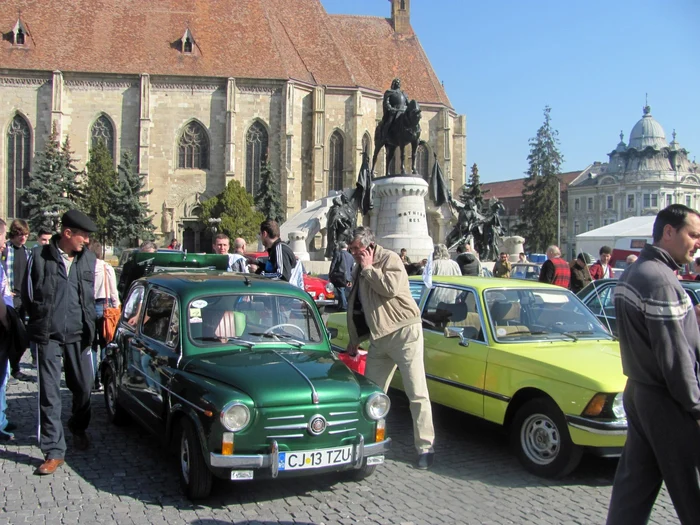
(285, 325)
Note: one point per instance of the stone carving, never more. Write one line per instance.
(484, 231)
(400, 125)
(342, 219)
(12, 81)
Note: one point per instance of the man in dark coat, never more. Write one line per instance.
(340, 273)
(60, 292)
(468, 262)
(580, 275)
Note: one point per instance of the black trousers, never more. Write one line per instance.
(663, 444)
(77, 364)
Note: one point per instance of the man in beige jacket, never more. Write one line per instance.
(381, 309)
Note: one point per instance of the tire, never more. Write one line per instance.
(115, 412)
(195, 477)
(363, 472)
(541, 441)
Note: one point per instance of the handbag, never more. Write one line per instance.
(111, 314)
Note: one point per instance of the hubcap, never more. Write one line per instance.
(185, 458)
(540, 439)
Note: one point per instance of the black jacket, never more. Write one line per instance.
(280, 262)
(48, 303)
(468, 264)
(341, 268)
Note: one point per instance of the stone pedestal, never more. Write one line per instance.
(297, 242)
(513, 246)
(401, 221)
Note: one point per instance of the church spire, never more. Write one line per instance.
(401, 16)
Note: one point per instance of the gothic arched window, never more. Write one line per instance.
(335, 165)
(18, 156)
(367, 144)
(193, 148)
(422, 161)
(103, 131)
(256, 155)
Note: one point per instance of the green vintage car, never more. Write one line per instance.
(236, 372)
(525, 355)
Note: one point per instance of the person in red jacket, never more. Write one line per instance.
(555, 270)
(601, 269)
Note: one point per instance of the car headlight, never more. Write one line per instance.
(329, 287)
(618, 407)
(377, 406)
(235, 416)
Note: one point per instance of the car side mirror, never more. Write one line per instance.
(332, 333)
(453, 332)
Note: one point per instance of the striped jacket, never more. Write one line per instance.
(8, 262)
(658, 330)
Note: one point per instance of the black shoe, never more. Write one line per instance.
(80, 439)
(21, 376)
(425, 460)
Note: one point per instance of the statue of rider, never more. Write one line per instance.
(394, 104)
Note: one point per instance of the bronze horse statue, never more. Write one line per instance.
(404, 130)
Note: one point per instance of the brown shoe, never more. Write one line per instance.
(49, 466)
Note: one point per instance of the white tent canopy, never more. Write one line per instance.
(616, 235)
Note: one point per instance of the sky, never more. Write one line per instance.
(593, 62)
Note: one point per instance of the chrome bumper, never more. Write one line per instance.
(270, 461)
(325, 302)
(617, 427)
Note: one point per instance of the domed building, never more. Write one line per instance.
(640, 178)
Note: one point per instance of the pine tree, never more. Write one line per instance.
(129, 218)
(539, 209)
(268, 200)
(473, 189)
(54, 185)
(235, 207)
(101, 178)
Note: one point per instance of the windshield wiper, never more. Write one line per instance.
(235, 340)
(286, 337)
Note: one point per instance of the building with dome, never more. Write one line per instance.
(640, 178)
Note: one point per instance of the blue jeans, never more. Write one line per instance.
(341, 292)
(4, 377)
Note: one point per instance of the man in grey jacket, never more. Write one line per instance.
(660, 350)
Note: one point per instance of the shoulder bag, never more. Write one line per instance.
(111, 314)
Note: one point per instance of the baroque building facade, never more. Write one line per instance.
(640, 178)
(204, 92)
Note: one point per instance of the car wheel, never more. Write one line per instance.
(115, 412)
(361, 473)
(541, 440)
(195, 476)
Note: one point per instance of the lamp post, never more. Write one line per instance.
(52, 219)
(213, 224)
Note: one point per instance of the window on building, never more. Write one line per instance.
(19, 37)
(256, 155)
(103, 131)
(669, 199)
(18, 156)
(193, 148)
(187, 47)
(590, 203)
(647, 200)
(589, 225)
(630, 201)
(367, 145)
(422, 165)
(576, 228)
(654, 200)
(688, 201)
(577, 204)
(610, 202)
(335, 164)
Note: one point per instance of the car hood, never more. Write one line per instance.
(588, 363)
(281, 378)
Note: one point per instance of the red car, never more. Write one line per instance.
(322, 291)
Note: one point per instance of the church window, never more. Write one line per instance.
(103, 131)
(403, 5)
(187, 47)
(366, 144)
(193, 148)
(335, 166)
(422, 161)
(18, 156)
(256, 155)
(19, 37)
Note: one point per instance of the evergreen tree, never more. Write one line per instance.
(235, 207)
(101, 178)
(129, 218)
(473, 189)
(539, 209)
(268, 200)
(54, 185)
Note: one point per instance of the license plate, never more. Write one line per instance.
(325, 457)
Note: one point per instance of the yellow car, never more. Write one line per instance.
(525, 355)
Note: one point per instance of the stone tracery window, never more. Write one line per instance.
(422, 163)
(335, 165)
(193, 148)
(366, 144)
(103, 131)
(256, 155)
(18, 157)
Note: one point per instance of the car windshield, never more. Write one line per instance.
(251, 320)
(540, 314)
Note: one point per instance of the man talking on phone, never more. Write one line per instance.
(381, 309)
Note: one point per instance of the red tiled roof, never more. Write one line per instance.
(269, 39)
(514, 188)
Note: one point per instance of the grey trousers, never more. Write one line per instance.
(663, 444)
(77, 365)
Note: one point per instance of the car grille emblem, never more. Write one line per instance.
(317, 425)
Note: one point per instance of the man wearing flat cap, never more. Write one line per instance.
(61, 297)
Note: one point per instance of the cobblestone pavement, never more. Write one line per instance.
(127, 477)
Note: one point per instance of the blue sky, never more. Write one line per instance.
(592, 62)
